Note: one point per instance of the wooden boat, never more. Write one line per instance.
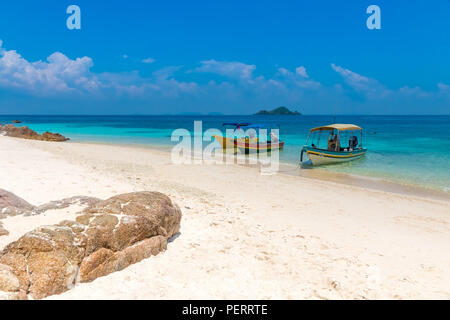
(249, 147)
(254, 144)
(226, 142)
(250, 142)
(336, 150)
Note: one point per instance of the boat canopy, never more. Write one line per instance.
(236, 124)
(261, 126)
(249, 125)
(337, 126)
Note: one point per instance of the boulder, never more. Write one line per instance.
(64, 203)
(11, 205)
(8, 281)
(20, 132)
(106, 237)
(16, 121)
(24, 132)
(3, 231)
(55, 137)
(105, 261)
(45, 260)
(160, 209)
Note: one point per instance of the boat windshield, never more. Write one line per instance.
(335, 140)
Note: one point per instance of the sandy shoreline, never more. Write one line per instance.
(367, 182)
(243, 235)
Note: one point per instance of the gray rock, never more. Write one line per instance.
(12, 205)
(64, 203)
(24, 132)
(3, 231)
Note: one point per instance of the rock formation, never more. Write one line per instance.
(64, 203)
(26, 133)
(3, 231)
(12, 205)
(106, 237)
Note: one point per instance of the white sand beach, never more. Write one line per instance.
(243, 235)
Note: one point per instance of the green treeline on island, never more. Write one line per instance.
(278, 111)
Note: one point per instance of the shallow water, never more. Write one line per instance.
(413, 150)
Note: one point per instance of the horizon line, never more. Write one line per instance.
(216, 115)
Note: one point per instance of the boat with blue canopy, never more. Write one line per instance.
(253, 143)
(229, 142)
(250, 141)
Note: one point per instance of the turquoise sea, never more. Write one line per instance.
(412, 150)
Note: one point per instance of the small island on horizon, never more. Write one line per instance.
(278, 111)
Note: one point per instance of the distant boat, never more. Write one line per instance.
(341, 144)
(16, 121)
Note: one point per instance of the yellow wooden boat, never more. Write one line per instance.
(225, 142)
(228, 143)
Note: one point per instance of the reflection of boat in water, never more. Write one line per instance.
(334, 151)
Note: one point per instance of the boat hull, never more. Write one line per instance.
(321, 157)
(225, 142)
(247, 147)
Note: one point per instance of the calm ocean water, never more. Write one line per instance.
(406, 149)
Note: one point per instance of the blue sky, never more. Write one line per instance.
(234, 57)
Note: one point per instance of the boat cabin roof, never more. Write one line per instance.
(236, 124)
(250, 125)
(337, 126)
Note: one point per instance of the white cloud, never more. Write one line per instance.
(443, 87)
(237, 70)
(148, 60)
(409, 99)
(301, 71)
(125, 56)
(299, 78)
(415, 91)
(371, 87)
(60, 76)
(284, 72)
(57, 74)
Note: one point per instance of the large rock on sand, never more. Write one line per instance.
(107, 237)
(11, 205)
(160, 210)
(55, 137)
(10, 130)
